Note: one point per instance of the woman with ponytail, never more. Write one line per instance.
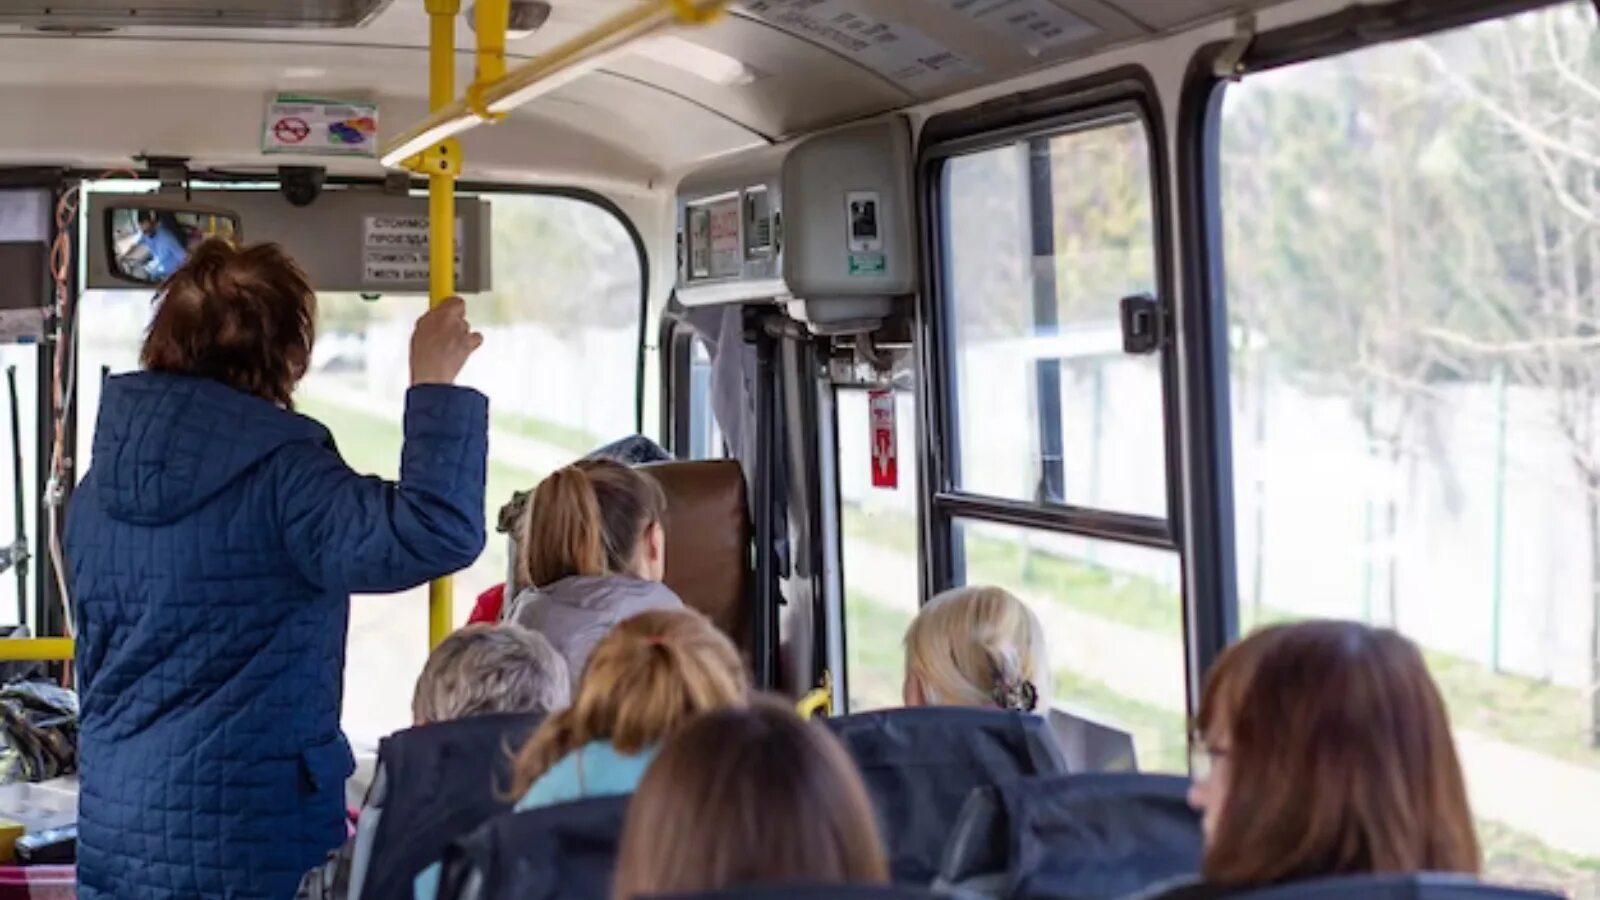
(977, 646)
(593, 552)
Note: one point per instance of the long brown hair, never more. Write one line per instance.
(645, 679)
(587, 519)
(749, 797)
(244, 316)
(1226, 682)
(1340, 762)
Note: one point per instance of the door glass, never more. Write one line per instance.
(880, 551)
(1413, 284)
(1043, 238)
(705, 437)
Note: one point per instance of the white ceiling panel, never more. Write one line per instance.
(800, 65)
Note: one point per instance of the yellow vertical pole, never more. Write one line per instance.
(441, 235)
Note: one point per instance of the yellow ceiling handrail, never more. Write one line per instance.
(442, 162)
(493, 18)
(564, 63)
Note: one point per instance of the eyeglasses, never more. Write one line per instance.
(1204, 759)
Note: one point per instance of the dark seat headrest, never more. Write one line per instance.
(810, 892)
(567, 851)
(1424, 886)
(920, 765)
(440, 781)
(1077, 836)
(708, 541)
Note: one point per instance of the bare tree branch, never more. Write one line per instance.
(1557, 343)
(1528, 132)
(1562, 66)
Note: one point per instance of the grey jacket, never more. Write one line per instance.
(575, 613)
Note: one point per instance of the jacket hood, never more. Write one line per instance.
(165, 444)
(604, 592)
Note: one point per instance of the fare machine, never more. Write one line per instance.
(821, 226)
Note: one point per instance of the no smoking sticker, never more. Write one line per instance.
(291, 130)
(317, 126)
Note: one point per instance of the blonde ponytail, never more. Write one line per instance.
(562, 530)
(979, 646)
(647, 678)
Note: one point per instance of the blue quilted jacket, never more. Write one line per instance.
(213, 547)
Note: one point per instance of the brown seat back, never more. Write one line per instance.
(708, 541)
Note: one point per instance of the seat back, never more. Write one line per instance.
(1426, 886)
(708, 542)
(435, 783)
(567, 851)
(1089, 745)
(1075, 837)
(921, 764)
(810, 892)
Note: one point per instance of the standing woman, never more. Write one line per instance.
(213, 547)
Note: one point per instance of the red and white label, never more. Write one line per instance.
(885, 449)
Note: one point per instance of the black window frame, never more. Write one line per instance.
(1203, 326)
(1122, 93)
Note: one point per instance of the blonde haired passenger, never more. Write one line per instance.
(977, 646)
(646, 680)
(593, 553)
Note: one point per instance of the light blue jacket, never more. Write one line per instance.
(594, 770)
(167, 253)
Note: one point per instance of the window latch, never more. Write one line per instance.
(1144, 325)
(1229, 63)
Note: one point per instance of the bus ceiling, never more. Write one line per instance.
(98, 81)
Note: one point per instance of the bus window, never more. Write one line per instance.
(566, 301)
(1113, 620)
(1043, 237)
(1413, 278)
(879, 538)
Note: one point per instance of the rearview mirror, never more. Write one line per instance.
(148, 238)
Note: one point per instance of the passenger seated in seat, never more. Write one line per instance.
(647, 679)
(483, 669)
(489, 608)
(478, 670)
(745, 798)
(1327, 752)
(490, 605)
(594, 555)
(977, 646)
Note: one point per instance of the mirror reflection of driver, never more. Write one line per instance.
(167, 252)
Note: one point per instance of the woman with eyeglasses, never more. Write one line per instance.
(1325, 750)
